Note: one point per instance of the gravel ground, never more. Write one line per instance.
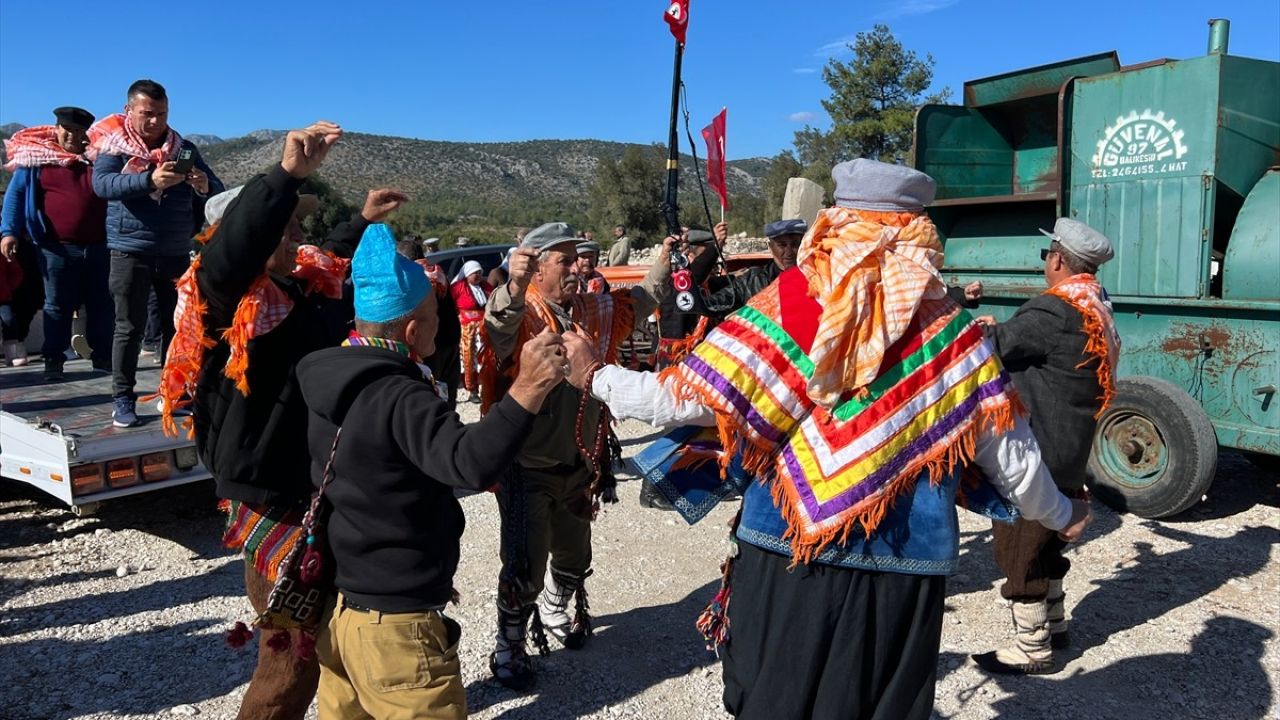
(120, 615)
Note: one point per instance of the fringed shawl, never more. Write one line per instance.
(607, 319)
(1102, 343)
(834, 470)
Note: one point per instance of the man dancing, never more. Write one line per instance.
(548, 504)
(850, 396)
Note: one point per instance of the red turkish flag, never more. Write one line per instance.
(677, 17)
(714, 135)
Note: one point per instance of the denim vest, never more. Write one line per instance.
(919, 535)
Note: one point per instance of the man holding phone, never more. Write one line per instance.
(153, 182)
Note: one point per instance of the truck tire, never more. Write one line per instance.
(1155, 451)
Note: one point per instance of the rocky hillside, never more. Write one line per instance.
(535, 170)
(491, 172)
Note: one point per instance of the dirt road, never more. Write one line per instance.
(121, 615)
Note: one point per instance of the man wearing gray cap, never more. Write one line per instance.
(1061, 348)
(849, 397)
(554, 492)
(589, 278)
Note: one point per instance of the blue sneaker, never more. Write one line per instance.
(124, 413)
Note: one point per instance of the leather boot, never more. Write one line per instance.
(553, 608)
(651, 498)
(510, 662)
(1030, 652)
(1057, 601)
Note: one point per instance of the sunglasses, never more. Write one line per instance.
(1045, 252)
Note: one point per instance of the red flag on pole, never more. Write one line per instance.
(714, 135)
(677, 17)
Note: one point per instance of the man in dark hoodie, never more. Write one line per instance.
(250, 420)
(397, 451)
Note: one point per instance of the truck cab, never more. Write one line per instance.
(1178, 163)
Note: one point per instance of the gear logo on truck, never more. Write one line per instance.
(1138, 144)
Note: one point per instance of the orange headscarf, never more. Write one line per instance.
(869, 271)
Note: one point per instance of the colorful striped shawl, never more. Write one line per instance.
(833, 470)
(266, 535)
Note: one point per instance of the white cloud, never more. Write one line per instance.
(804, 71)
(904, 8)
(803, 116)
(908, 8)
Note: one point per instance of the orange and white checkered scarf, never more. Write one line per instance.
(869, 271)
(1085, 294)
(606, 318)
(113, 135)
(37, 147)
(260, 311)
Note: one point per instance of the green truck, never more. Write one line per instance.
(1178, 162)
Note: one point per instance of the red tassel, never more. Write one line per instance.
(312, 564)
(306, 647)
(239, 635)
(280, 641)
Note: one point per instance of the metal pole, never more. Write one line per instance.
(670, 204)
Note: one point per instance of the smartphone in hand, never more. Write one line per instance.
(186, 161)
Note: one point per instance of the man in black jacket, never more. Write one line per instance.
(1060, 347)
(252, 437)
(386, 649)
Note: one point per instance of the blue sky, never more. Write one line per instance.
(489, 71)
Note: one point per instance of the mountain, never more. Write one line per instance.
(9, 129)
(536, 170)
(204, 140)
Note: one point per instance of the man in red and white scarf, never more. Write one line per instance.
(51, 204)
(155, 184)
(1061, 349)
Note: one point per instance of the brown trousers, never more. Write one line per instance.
(389, 666)
(1030, 555)
(282, 685)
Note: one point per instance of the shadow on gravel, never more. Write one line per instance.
(653, 644)
(1238, 485)
(978, 569)
(1221, 677)
(140, 673)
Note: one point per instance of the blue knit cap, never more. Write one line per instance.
(388, 284)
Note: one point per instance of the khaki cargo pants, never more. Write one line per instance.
(389, 666)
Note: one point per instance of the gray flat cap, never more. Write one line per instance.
(1081, 240)
(545, 237)
(870, 185)
(778, 228)
(588, 246)
(700, 237)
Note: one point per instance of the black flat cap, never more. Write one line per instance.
(70, 116)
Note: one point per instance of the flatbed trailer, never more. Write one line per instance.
(58, 438)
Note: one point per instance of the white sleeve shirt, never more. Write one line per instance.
(1011, 461)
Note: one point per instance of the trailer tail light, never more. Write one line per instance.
(122, 473)
(86, 479)
(186, 458)
(156, 466)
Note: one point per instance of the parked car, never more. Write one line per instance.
(451, 260)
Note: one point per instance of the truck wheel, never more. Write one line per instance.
(1155, 451)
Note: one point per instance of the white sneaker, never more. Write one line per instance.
(15, 352)
(180, 412)
(80, 344)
